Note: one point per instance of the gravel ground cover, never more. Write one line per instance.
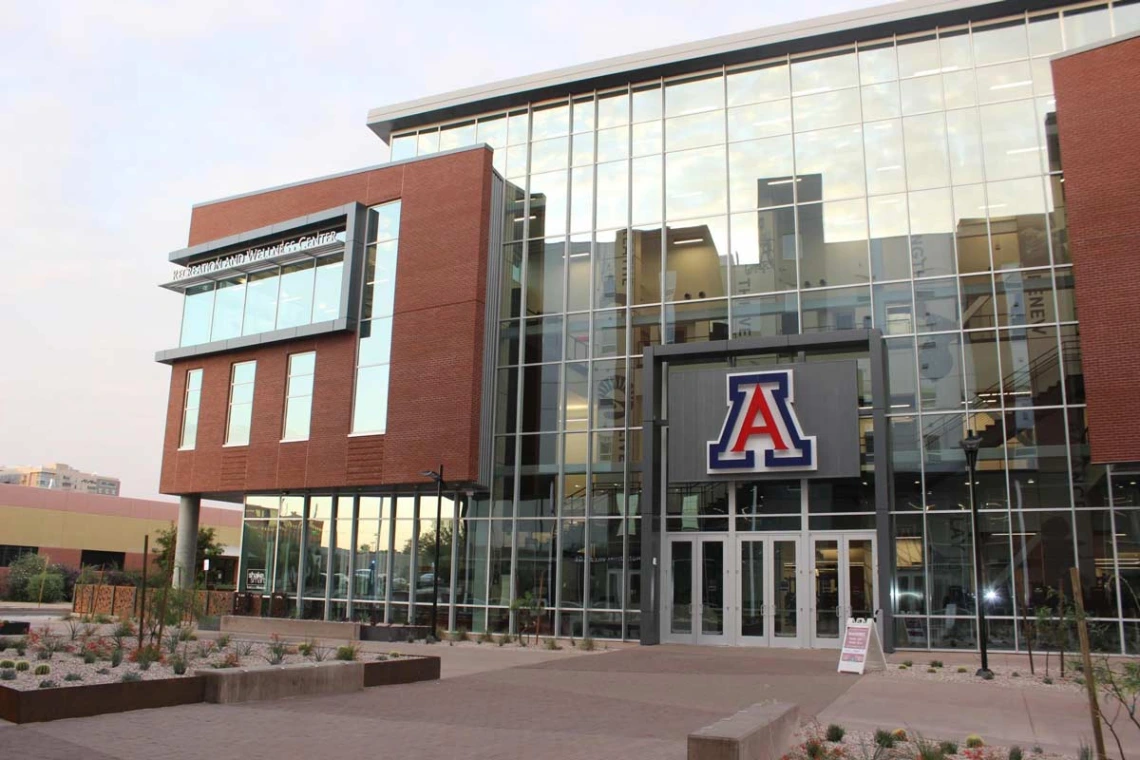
(110, 653)
(816, 742)
(933, 670)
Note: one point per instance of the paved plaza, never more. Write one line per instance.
(628, 703)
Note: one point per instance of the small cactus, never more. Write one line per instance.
(42, 670)
(973, 741)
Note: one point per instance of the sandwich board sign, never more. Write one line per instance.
(862, 650)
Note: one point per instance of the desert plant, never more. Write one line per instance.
(963, 670)
(47, 683)
(899, 735)
(173, 639)
(587, 644)
(231, 660)
(908, 663)
(90, 630)
(74, 626)
(928, 750)
(103, 671)
(277, 649)
(102, 618)
(73, 677)
(244, 648)
(461, 635)
(186, 633)
(1084, 751)
(835, 732)
(4, 643)
(553, 645)
(178, 665)
(1119, 687)
(89, 657)
(43, 653)
(1047, 681)
(948, 748)
(814, 748)
(321, 653)
(223, 641)
(7, 675)
(1015, 674)
(22, 666)
(904, 667)
(486, 637)
(305, 648)
(347, 652)
(7, 664)
(973, 741)
(1038, 749)
(1015, 753)
(931, 670)
(204, 648)
(884, 738)
(131, 677)
(42, 670)
(116, 657)
(936, 663)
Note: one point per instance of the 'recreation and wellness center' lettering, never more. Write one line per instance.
(257, 254)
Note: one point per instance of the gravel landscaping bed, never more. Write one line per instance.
(953, 673)
(899, 744)
(90, 657)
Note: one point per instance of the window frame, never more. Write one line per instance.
(289, 396)
(182, 445)
(230, 404)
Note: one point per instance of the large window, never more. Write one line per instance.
(302, 293)
(241, 403)
(190, 409)
(370, 405)
(299, 396)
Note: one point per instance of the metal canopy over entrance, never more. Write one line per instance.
(730, 582)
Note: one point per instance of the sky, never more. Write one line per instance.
(116, 116)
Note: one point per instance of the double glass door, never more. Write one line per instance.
(774, 590)
(843, 578)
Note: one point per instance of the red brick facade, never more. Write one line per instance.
(1098, 117)
(437, 345)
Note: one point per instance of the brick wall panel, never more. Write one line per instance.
(437, 346)
(1098, 113)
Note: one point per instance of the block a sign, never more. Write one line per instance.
(761, 432)
(792, 421)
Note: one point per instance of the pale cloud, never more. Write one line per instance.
(117, 116)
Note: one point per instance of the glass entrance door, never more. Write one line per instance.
(696, 594)
(768, 591)
(843, 584)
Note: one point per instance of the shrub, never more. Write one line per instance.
(47, 683)
(305, 648)
(45, 587)
(587, 644)
(44, 653)
(321, 653)
(461, 635)
(908, 663)
(814, 749)
(103, 671)
(23, 665)
(486, 637)
(277, 650)
(102, 619)
(173, 639)
(949, 748)
(1047, 680)
(7, 664)
(223, 641)
(835, 732)
(131, 677)
(73, 677)
(1015, 753)
(884, 738)
(928, 750)
(1084, 751)
(7, 675)
(244, 648)
(936, 663)
(899, 735)
(904, 667)
(931, 670)
(347, 652)
(231, 660)
(178, 665)
(506, 638)
(973, 741)
(89, 657)
(552, 645)
(22, 569)
(1015, 674)
(204, 648)
(42, 670)
(4, 643)
(116, 657)
(74, 626)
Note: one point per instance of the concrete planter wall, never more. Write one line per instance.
(219, 686)
(319, 629)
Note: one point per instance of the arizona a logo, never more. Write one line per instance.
(761, 432)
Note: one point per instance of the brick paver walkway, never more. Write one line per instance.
(626, 704)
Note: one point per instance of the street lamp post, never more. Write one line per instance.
(438, 478)
(970, 444)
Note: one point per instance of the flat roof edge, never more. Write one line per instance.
(1095, 45)
(384, 120)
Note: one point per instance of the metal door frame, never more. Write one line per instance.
(769, 639)
(842, 539)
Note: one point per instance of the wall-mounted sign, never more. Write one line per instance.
(797, 420)
(761, 432)
(254, 580)
(303, 243)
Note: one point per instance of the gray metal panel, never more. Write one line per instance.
(214, 247)
(816, 33)
(171, 355)
(494, 296)
(826, 402)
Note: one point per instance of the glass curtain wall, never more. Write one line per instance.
(911, 183)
